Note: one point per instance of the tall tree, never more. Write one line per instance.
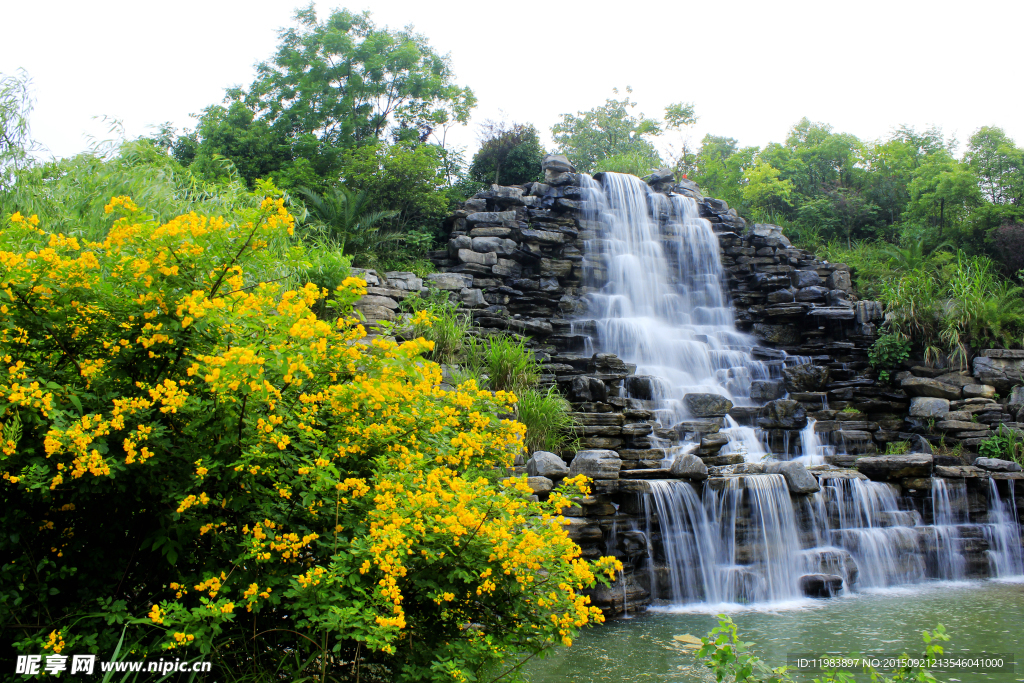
(333, 85)
(943, 191)
(999, 164)
(15, 140)
(613, 130)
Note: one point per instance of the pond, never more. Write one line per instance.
(980, 616)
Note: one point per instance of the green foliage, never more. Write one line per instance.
(886, 354)
(15, 140)
(897, 448)
(1006, 444)
(764, 191)
(639, 163)
(609, 130)
(348, 221)
(509, 365)
(730, 658)
(509, 154)
(191, 458)
(331, 86)
(548, 419)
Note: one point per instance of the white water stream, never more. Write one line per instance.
(658, 300)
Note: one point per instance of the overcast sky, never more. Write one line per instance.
(753, 68)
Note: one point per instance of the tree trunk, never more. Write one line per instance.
(942, 216)
(497, 172)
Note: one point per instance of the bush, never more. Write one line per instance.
(1006, 444)
(888, 351)
(510, 366)
(198, 464)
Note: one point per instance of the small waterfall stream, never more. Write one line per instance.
(656, 296)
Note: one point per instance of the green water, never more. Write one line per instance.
(979, 617)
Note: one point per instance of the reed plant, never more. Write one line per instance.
(510, 366)
(549, 422)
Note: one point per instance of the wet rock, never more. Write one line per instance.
(545, 464)
(929, 407)
(689, 466)
(777, 334)
(821, 585)
(923, 386)
(797, 477)
(782, 414)
(706, 426)
(767, 389)
(996, 465)
(811, 294)
(596, 464)
(806, 377)
(707, 405)
(805, 278)
(643, 387)
(886, 467)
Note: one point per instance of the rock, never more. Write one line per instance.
(797, 477)
(558, 163)
(403, 280)
(884, 467)
(811, 293)
(372, 313)
(498, 245)
(1002, 373)
(470, 256)
(540, 484)
(643, 387)
(929, 407)
(958, 471)
(919, 444)
(596, 464)
(979, 391)
(806, 377)
(839, 279)
(372, 300)
(923, 386)
(707, 405)
(958, 426)
(996, 465)
(805, 278)
(555, 267)
(454, 282)
(782, 414)
(1016, 402)
(767, 389)
(689, 466)
(545, 464)
(472, 298)
(777, 334)
(492, 217)
(821, 585)
(707, 426)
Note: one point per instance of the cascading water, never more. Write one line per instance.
(661, 303)
(657, 298)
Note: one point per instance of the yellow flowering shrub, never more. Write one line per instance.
(201, 458)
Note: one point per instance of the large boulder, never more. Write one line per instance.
(797, 477)
(1000, 368)
(923, 386)
(886, 467)
(545, 464)
(596, 464)
(540, 484)
(707, 405)
(821, 585)
(689, 466)
(929, 407)
(777, 334)
(782, 414)
(1016, 401)
(806, 377)
(997, 465)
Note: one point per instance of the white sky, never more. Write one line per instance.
(753, 68)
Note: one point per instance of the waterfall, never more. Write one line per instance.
(1005, 556)
(658, 300)
(655, 296)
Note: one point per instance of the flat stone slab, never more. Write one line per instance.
(836, 474)
(959, 472)
(886, 467)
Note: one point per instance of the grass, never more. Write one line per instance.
(1006, 444)
(510, 366)
(548, 421)
(897, 448)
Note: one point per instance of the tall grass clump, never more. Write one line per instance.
(510, 366)
(548, 419)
